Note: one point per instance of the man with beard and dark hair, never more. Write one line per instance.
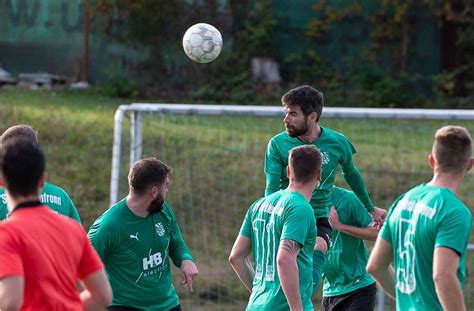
(303, 109)
(134, 239)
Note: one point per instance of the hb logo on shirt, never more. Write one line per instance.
(152, 261)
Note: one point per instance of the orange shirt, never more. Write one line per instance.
(51, 252)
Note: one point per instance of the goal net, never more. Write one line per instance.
(217, 155)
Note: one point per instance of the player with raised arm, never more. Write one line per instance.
(346, 284)
(427, 231)
(51, 195)
(303, 109)
(42, 254)
(135, 239)
(280, 231)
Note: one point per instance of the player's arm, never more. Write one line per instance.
(288, 272)
(273, 168)
(180, 253)
(379, 265)
(240, 263)
(11, 292)
(97, 293)
(448, 289)
(368, 233)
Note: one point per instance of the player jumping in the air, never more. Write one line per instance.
(303, 109)
(427, 231)
(280, 231)
(135, 239)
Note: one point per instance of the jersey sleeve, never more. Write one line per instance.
(72, 210)
(10, 260)
(352, 175)
(90, 261)
(454, 230)
(297, 223)
(386, 230)
(246, 228)
(359, 214)
(179, 251)
(273, 162)
(102, 238)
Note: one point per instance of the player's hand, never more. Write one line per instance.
(189, 272)
(334, 219)
(379, 214)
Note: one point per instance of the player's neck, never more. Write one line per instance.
(137, 205)
(13, 202)
(446, 180)
(303, 189)
(313, 133)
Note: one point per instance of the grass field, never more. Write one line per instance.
(218, 168)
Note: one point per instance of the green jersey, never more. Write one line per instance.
(346, 259)
(419, 221)
(53, 196)
(135, 253)
(336, 150)
(281, 215)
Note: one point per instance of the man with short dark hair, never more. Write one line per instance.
(427, 231)
(279, 230)
(51, 195)
(42, 254)
(303, 109)
(136, 236)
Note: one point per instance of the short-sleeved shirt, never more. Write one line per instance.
(51, 195)
(419, 221)
(336, 150)
(281, 215)
(135, 252)
(346, 259)
(51, 252)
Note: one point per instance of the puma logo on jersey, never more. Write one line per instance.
(135, 236)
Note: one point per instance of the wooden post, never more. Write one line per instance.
(85, 51)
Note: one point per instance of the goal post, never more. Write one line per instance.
(217, 154)
(137, 109)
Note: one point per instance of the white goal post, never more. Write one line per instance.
(136, 109)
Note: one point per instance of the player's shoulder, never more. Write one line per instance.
(113, 216)
(50, 188)
(167, 211)
(280, 137)
(335, 135)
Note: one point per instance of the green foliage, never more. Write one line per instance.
(118, 83)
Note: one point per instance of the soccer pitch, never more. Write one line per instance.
(218, 170)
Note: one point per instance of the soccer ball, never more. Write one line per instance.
(202, 43)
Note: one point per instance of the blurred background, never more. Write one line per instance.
(388, 53)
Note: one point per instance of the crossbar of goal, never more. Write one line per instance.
(136, 109)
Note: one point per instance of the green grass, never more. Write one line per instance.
(218, 168)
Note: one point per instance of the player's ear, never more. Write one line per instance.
(470, 164)
(288, 172)
(2, 183)
(431, 161)
(42, 180)
(313, 116)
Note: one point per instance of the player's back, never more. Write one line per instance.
(425, 218)
(280, 215)
(51, 252)
(51, 195)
